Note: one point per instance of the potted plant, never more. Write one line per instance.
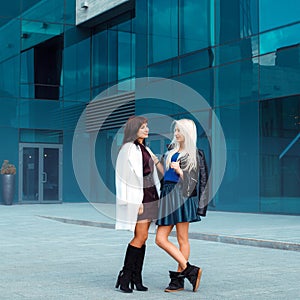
(8, 172)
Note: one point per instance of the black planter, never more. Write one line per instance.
(8, 188)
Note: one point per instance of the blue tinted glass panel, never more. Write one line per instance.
(162, 30)
(71, 114)
(46, 11)
(8, 113)
(112, 56)
(126, 44)
(276, 39)
(40, 114)
(27, 4)
(27, 69)
(9, 74)
(100, 58)
(236, 83)
(10, 151)
(240, 186)
(280, 73)
(277, 13)
(77, 71)
(41, 136)
(243, 49)
(236, 19)
(199, 60)
(194, 25)
(140, 29)
(11, 8)
(10, 39)
(36, 32)
(71, 190)
(27, 74)
(125, 26)
(70, 11)
(202, 82)
(161, 107)
(98, 90)
(280, 159)
(165, 69)
(104, 144)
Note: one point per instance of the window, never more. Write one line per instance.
(47, 68)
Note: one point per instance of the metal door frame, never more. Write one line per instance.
(41, 147)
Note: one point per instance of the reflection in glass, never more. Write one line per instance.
(10, 39)
(194, 18)
(77, 70)
(34, 32)
(240, 186)
(162, 30)
(30, 174)
(8, 115)
(280, 174)
(280, 73)
(41, 114)
(165, 69)
(46, 11)
(202, 82)
(273, 14)
(273, 40)
(50, 176)
(100, 58)
(9, 73)
(236, 82)
(242, 49)
(126, 44)
(196, 61)
(235, 19)
(112, 56)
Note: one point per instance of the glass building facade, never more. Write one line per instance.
(242, 56)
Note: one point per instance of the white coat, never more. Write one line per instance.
(129, 186)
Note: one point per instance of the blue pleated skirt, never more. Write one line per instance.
(174, 208)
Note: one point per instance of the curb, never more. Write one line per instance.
(197, 236)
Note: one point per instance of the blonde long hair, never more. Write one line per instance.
(188, 129)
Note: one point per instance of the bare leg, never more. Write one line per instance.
(182, 231)
(140, 234)
(163, 242)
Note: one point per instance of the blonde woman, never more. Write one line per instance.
(184, 170)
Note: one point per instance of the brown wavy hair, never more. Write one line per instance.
(132, 126)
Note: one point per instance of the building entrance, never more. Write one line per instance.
(40, 175)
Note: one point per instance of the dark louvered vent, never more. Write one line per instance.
(111, 112)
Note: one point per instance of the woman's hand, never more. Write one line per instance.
(153, 156)
(175, 165)
(141, 209)
(156, 161)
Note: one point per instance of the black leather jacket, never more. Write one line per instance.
(194, 182)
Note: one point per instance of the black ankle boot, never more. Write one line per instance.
(125, 275)
(137, 272)
(177, 282)
(193, 274)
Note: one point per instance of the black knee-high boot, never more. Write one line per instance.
(125, 275)
(137, 273)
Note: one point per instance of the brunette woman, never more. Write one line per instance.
(137, 194)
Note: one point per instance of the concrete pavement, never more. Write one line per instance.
(47, 253)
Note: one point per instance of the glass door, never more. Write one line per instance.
(40, 173)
